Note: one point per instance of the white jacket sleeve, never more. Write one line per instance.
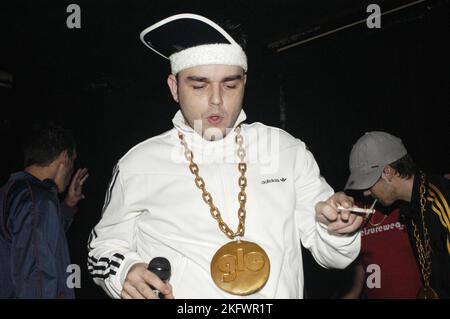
(111, 244)
(329, 250)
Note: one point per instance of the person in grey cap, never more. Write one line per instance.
(381, 167)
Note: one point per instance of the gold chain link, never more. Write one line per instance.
(376, 224)
(207, 198)
(424, 253)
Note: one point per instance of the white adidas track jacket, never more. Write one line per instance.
(153, 209)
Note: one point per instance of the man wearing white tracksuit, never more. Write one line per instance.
(154, 208)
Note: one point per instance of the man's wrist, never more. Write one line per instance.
(70, 203)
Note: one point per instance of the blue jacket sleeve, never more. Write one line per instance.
(34, 266)
(68, 214)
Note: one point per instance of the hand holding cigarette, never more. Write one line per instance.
(338, 221)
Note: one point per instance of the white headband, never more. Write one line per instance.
(221, 53)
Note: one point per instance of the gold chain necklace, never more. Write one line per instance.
(369, 218)
(238, 267)
(376, 224)
(425, 292)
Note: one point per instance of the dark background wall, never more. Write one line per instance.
(104, 84)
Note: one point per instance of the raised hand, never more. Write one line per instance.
(75, 191)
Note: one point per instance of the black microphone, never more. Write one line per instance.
(160, 266)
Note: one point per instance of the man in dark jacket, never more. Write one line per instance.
(33, 250)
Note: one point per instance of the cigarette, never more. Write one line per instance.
(357, 210)
(370, 210)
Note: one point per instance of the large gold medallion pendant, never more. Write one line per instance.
(240, 268)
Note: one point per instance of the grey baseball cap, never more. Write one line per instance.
(371, 153)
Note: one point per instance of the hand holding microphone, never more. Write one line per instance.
(160, 266)
(143, 279)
